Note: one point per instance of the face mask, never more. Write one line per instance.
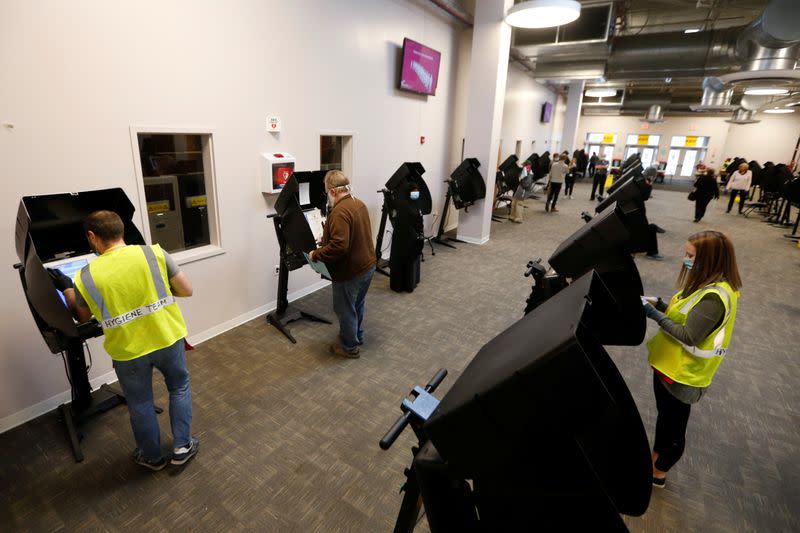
(688, 263)
(414, 195)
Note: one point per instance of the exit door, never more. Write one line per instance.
(682, 161)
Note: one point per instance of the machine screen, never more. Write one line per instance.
(70, 267)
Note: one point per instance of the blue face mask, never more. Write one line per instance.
(414, 195)
(688, 263)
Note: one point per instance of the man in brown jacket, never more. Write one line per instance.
(347, 250)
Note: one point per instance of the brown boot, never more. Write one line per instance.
(336, 349)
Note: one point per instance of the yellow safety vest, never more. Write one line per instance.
(694, 365)
(128, 292)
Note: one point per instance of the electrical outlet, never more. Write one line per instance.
(276, 270)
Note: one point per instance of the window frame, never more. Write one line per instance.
(215, 236)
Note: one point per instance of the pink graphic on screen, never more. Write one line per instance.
(420, 72)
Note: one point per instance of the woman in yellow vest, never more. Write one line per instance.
(695, 331)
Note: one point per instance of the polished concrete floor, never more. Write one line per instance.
(290, 433)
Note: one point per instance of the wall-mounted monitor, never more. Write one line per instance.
(419, 72)
(547, 112)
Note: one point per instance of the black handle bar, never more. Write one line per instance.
(401, 423)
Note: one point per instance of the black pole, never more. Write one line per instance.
(445, 210)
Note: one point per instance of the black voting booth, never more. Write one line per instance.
(408, 237)
(294, 237)
(465, 187)
(541, 423)
(506, 183)
(50, 227)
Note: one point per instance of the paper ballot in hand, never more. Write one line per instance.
(315, 220)
(318, 267)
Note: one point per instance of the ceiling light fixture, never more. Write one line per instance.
(600, 92)
(765, 91)
(543, 13)
(691, 30)
(778, 110)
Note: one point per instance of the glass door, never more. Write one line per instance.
(689, 158)
(672, 162)
(648, 156)
(608, 152)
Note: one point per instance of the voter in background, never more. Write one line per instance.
(131, 292)
(739, 184)
(348, 252)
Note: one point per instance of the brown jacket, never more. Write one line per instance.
(346, 246)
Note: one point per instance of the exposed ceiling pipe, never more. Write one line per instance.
(454, 12)
(742, 116)
(715, 96)
(654, 114)
(771, 42)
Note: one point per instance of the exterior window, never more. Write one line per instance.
(178, 178)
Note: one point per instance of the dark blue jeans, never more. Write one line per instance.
(136, 378)
(348, 304)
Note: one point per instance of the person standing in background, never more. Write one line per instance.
(739, 184)
(569, 179)
(599, 177)
(558, 172)
(592, 164)
(705, 189)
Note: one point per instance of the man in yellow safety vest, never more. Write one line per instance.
(131, 291)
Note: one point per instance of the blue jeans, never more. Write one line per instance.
(348, 304)
(136, 378)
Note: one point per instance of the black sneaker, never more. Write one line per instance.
(659, 229)
(182, 455)
(139, 459)
(659, 483)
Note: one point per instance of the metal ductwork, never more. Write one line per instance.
(715, 96)
(654, 114)
(742, 116)
(771, 43)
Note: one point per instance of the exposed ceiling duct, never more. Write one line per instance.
(715, 96)
(655, 114)
(772, 42)
(742, 116)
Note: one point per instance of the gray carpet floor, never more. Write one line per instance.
(290, 433)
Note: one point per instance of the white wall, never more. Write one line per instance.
(77, 75)
(522, 113)
(772, 139)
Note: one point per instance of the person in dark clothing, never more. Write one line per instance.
(599, 177)
(705, 189)
(592, 163)
(407, 241)
(569, 179)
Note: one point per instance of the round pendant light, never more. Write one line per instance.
(543, 13)
(601, 92)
